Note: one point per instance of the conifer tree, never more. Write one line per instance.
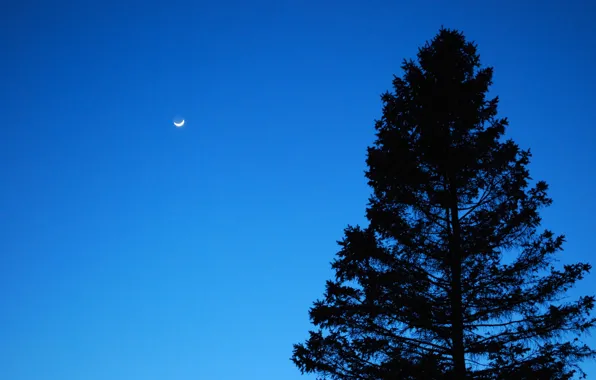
(453, 278)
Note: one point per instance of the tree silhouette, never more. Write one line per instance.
(451, 279)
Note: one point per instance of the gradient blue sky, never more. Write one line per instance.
(130, 249)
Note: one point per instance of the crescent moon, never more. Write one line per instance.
(179, 124)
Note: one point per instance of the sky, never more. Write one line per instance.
(131, 249)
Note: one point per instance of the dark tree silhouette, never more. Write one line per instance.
(451, 279)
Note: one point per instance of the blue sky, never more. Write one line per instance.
(130, 249)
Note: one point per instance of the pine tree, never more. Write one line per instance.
(452, 278)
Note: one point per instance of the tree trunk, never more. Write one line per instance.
(457, 336)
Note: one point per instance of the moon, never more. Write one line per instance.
(179, 124)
